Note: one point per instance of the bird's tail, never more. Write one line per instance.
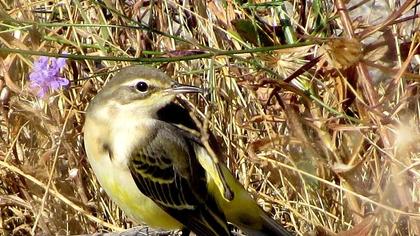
(270, 227)
(259, 223)
(243, 211)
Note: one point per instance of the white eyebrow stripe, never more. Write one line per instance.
(133, 82)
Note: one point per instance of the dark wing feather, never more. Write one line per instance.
(166, 170)
(178, 116)
(174, 113)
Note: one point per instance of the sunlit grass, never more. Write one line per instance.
(317, 111)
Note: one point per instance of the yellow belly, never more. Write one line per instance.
(120, 186)
(115, 177)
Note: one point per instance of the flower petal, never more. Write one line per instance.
(45, 75)
(54, 84)
(61, 62)
(63, 81)
(41, 63)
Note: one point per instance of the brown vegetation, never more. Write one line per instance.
(316, 104)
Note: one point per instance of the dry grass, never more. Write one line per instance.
(319, 118)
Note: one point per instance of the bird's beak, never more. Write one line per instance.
(182, 88)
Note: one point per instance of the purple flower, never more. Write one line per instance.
(45, 75)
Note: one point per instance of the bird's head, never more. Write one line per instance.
(138, 90)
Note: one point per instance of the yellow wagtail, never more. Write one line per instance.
(157, 172)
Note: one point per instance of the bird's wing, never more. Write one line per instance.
(178, 116)
(242, 210)
(166, 170)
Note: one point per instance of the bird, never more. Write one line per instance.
(139, 143)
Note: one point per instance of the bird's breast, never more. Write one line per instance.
(128, 133)
(109, 160)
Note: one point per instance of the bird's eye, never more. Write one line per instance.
(142, 86)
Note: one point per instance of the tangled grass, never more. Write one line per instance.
(316, 104)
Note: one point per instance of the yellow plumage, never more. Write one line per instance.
(156, 172)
